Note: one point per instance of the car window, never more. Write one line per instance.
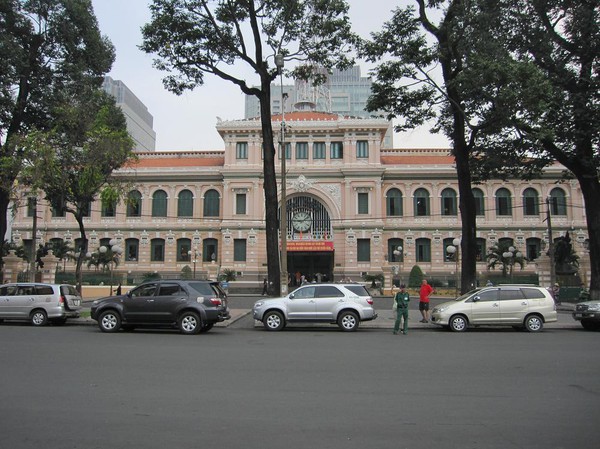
(507, 295)
(8, 290)
(169, 290)
(204, 288)
(144, 290)
(359, 290)
(218, 290)
(24, 290)
(68, 290)
(327, 291)
(44, 290)
(305, 292)
(532, 293)
(488, 295)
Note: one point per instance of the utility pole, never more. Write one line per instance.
(32, 257)
(550, 244)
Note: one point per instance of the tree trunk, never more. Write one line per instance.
(82, 253)
(270, 186)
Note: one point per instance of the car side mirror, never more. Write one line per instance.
(476, 298)
(291, 296)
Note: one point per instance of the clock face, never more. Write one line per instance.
(301, 221)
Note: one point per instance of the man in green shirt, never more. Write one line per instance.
(401, 298)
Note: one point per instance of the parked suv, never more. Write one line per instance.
(39, 303)
(344, 304)
(192, 306)
(519, 306)
(588, 313)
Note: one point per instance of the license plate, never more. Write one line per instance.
(77, 302)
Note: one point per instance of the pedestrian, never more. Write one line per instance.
(118, 292)
(556, 293)
(424, 294)
(401, 300)
(265, 286)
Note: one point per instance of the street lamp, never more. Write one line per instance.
(454, 249)
(279, 60)
(511, 255)
(194, 255)
(398, 255)
(115, 252)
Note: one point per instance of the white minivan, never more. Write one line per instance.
(39, 303)
(520, 306)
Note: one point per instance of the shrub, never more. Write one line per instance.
(415, 277)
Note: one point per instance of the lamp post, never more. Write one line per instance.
(398, 254)
(283, 209)
(454, 249)
(194, 254)
(115, 252)
(511, 255)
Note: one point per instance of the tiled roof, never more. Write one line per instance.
(179, 162)
(299, 116)
(417, 160)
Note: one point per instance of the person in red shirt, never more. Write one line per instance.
(424, 294)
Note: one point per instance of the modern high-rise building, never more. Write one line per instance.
(139, 120)
(345, 93)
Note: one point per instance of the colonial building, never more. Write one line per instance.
(352, 207)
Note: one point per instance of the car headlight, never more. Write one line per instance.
(594, 307)
(258, 304)
(439, 309)
(95, 303)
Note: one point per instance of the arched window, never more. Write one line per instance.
(159, 204)
(421, 203)
(132, 250)
(183, 248)
(449, 202)
(210, 250)
(479, 202)
(108, 209)
(531, 203)
(423, 250)
(394, 203)
(185, 204)
(481, 251)
(558, 202)
(211, 203)
(503, 202)
(134, 204)
(157, 250)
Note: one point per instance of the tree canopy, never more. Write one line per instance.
(46, 46)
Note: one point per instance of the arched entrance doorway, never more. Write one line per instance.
(310, 249)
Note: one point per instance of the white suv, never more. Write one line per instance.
(39, 303)
(344, 304)
(519, 306)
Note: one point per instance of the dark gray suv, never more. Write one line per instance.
(191, 306)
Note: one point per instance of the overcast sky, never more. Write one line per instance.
(187, 122)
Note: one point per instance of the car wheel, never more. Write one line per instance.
(458, 323)
(348, 321)
(109, 321)
(189, 323)
(273, 321)
(590, 325)
(206, 327)
(38, 318)
(534, 323)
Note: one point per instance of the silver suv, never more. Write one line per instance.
(344, 304)
(519, 306)
(39, 303)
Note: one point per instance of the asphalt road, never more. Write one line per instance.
(239, 387)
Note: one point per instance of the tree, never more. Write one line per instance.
(192, 38)
(45, 46)
(75, 160)
(408, 87)
(558, 42)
